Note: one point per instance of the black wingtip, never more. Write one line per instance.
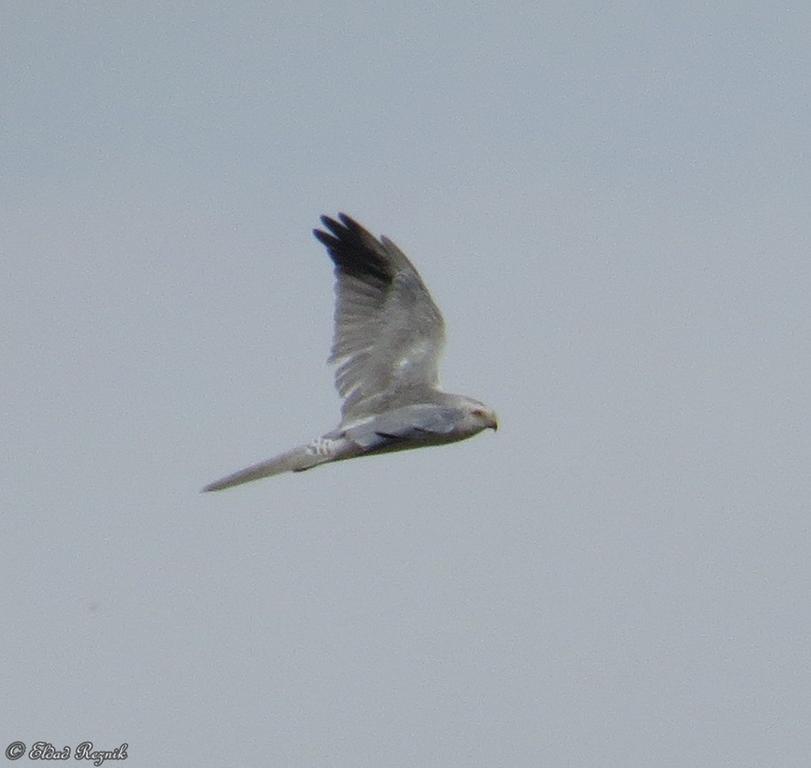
(339, 230)
(348, 221)
(343, 223)
(353, 249)
(334, 231)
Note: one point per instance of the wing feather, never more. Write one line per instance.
(389, 332)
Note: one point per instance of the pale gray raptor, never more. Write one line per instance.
(388, 338)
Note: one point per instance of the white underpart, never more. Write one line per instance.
(322, 446)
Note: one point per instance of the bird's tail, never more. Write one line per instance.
(303, 457)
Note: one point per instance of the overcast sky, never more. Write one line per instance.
(609, 202)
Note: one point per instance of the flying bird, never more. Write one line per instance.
(388, 338)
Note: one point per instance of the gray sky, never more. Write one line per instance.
(609, 204)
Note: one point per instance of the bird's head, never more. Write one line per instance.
(480, 416)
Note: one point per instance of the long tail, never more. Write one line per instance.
(320, 451)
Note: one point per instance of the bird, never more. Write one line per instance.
(388, 338)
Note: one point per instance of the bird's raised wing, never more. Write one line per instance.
(388, 331)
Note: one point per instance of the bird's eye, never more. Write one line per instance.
(478, 412)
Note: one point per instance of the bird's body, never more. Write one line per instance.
(388, 338)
